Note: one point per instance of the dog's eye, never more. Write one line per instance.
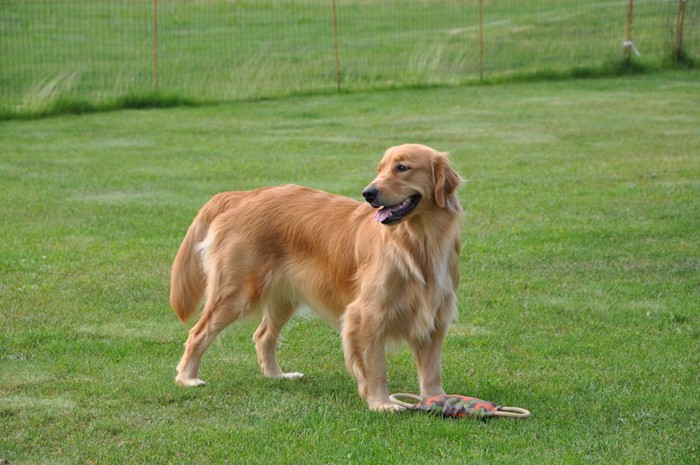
(401, 167)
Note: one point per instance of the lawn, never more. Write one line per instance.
(580, 297)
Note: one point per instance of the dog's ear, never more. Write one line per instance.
(446, 183)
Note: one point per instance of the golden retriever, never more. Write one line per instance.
(376, 276)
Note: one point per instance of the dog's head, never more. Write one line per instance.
(412, 178)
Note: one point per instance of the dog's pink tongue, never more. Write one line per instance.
(382, 214)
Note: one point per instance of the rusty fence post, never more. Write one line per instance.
(678, 40)
(155, 45)
(481, 40)
(335, 47)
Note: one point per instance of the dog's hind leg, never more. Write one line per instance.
(218, 314)
(276, 314)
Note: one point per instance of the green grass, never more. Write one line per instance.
(579, 299)
(59, 56)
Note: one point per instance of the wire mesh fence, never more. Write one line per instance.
(216, 50)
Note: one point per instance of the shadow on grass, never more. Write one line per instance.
(79, 106)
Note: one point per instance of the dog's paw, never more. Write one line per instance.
(387, 406)
(191, 382)
(294, 375)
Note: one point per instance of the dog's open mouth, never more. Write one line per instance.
(392, 214)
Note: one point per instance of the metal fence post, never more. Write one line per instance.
(481, 40)
(629, 44)
(678, 42)
(155, 45)
(335, 47)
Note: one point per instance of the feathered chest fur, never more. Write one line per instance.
(416, 286)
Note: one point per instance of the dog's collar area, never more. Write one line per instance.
(393, 213)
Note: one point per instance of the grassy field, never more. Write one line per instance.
(80, 54)
(579, 300)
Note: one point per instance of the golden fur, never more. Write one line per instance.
(277, 248)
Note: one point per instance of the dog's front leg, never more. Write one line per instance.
(365, 357)
(375, 386)
(427, 353)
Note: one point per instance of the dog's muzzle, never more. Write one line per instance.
(389, 214)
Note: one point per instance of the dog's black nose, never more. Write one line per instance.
(370, 193)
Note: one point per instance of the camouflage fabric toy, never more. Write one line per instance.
(454, 406)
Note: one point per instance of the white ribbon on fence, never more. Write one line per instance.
(627, 43)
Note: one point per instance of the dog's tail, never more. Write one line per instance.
(188, 277)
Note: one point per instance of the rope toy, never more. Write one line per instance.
(454, 406)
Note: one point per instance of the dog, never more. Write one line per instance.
(381, 271)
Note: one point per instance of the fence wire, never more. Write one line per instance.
(216, 50)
